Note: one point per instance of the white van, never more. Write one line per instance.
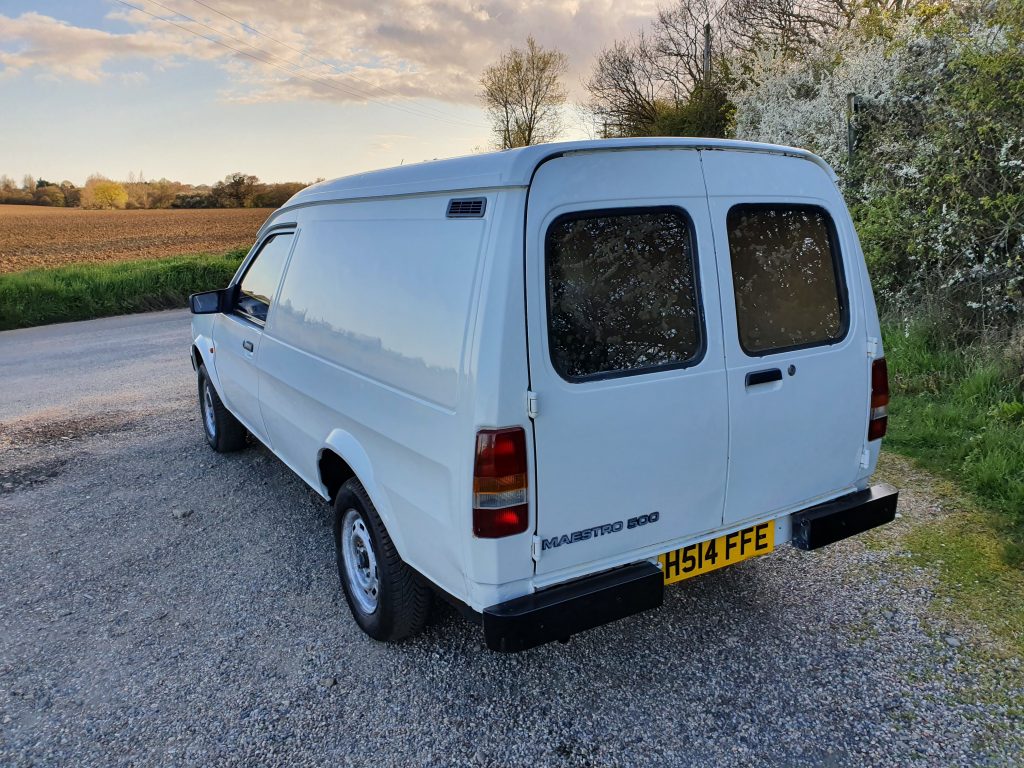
(544, 383)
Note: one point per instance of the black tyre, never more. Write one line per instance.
(387, 599)
(223, 431)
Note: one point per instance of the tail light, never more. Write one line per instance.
(500, 498)
(879, 418)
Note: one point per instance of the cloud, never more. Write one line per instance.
(54, 47)
(347, 50)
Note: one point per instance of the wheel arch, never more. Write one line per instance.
(342, 457)
(202, 354)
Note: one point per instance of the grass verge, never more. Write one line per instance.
(958, 412)
(962, 543)
(87, 291)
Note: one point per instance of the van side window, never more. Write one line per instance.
(622, 292)
(787, 278)
(259, 283)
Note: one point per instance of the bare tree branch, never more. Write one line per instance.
(523, 95)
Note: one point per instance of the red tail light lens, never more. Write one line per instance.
(500, 487)
(879, 418)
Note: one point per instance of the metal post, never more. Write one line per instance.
(707, 52)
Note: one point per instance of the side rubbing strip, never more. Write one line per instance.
(467, 208)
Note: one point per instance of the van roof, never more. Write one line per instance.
(509, 168)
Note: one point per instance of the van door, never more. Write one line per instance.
(795, 344)
(626, 358)
(237, 334)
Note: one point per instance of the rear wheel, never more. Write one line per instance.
(223, 431)
(387, 599)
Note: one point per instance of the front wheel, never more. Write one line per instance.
(223, 431)
(387, 599)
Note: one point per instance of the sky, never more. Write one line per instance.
(193, 90)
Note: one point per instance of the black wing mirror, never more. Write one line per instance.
(210, 302)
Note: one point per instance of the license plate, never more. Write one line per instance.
(712, 554)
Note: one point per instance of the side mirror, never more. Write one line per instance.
(210, 302)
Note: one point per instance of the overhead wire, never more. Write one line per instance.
(317, 79)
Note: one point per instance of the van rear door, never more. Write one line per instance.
(795, 344)
(626, 358)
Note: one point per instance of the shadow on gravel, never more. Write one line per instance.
(37, 449)
(50, 428)
(30, 473)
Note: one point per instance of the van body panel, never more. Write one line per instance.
(497, 382)
(203, 341)
(369, 336)
(873, 331)
(502, 170)
(797, 440)
(236, 370)
(405, 326)
(616, 450)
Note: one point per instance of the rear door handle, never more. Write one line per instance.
(247, 346)
(764, 377)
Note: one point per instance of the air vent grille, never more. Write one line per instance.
(467, 208)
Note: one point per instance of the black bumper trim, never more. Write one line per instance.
(844, 517)
(564, 610)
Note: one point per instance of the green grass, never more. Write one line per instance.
(958, 412)
(964, 545)
(973, 571)
(86, 291)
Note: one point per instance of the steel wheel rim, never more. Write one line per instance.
(209, 417)
(360, 562)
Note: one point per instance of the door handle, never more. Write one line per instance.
(247, 346)
(764, 377)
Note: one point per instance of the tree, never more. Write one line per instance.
(100, 192)
(163, 192)
(625, 88)
(193, 199)
(654, 84)
(236, 191)
(679, 43)
(523, 95)
(137, 189)
(706, 112)
(49, 194)
(275, 195)
(28, 183)
(72, 194)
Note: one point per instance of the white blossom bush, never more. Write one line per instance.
(936, 179)
(803, 102)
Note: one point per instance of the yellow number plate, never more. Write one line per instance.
(717, 553)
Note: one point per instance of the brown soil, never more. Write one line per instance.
(32, 237)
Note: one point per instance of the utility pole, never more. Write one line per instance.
(707, 52)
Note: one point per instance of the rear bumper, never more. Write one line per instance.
(844, 517)
(558, 612)
(561, 611)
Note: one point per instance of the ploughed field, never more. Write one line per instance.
(34, 237)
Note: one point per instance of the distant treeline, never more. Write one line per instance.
(237, 190)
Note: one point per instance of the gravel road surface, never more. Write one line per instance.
(164, 605)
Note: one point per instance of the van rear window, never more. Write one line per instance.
(786, 275)
(622, 293)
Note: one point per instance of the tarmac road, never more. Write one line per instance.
(164, 605)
